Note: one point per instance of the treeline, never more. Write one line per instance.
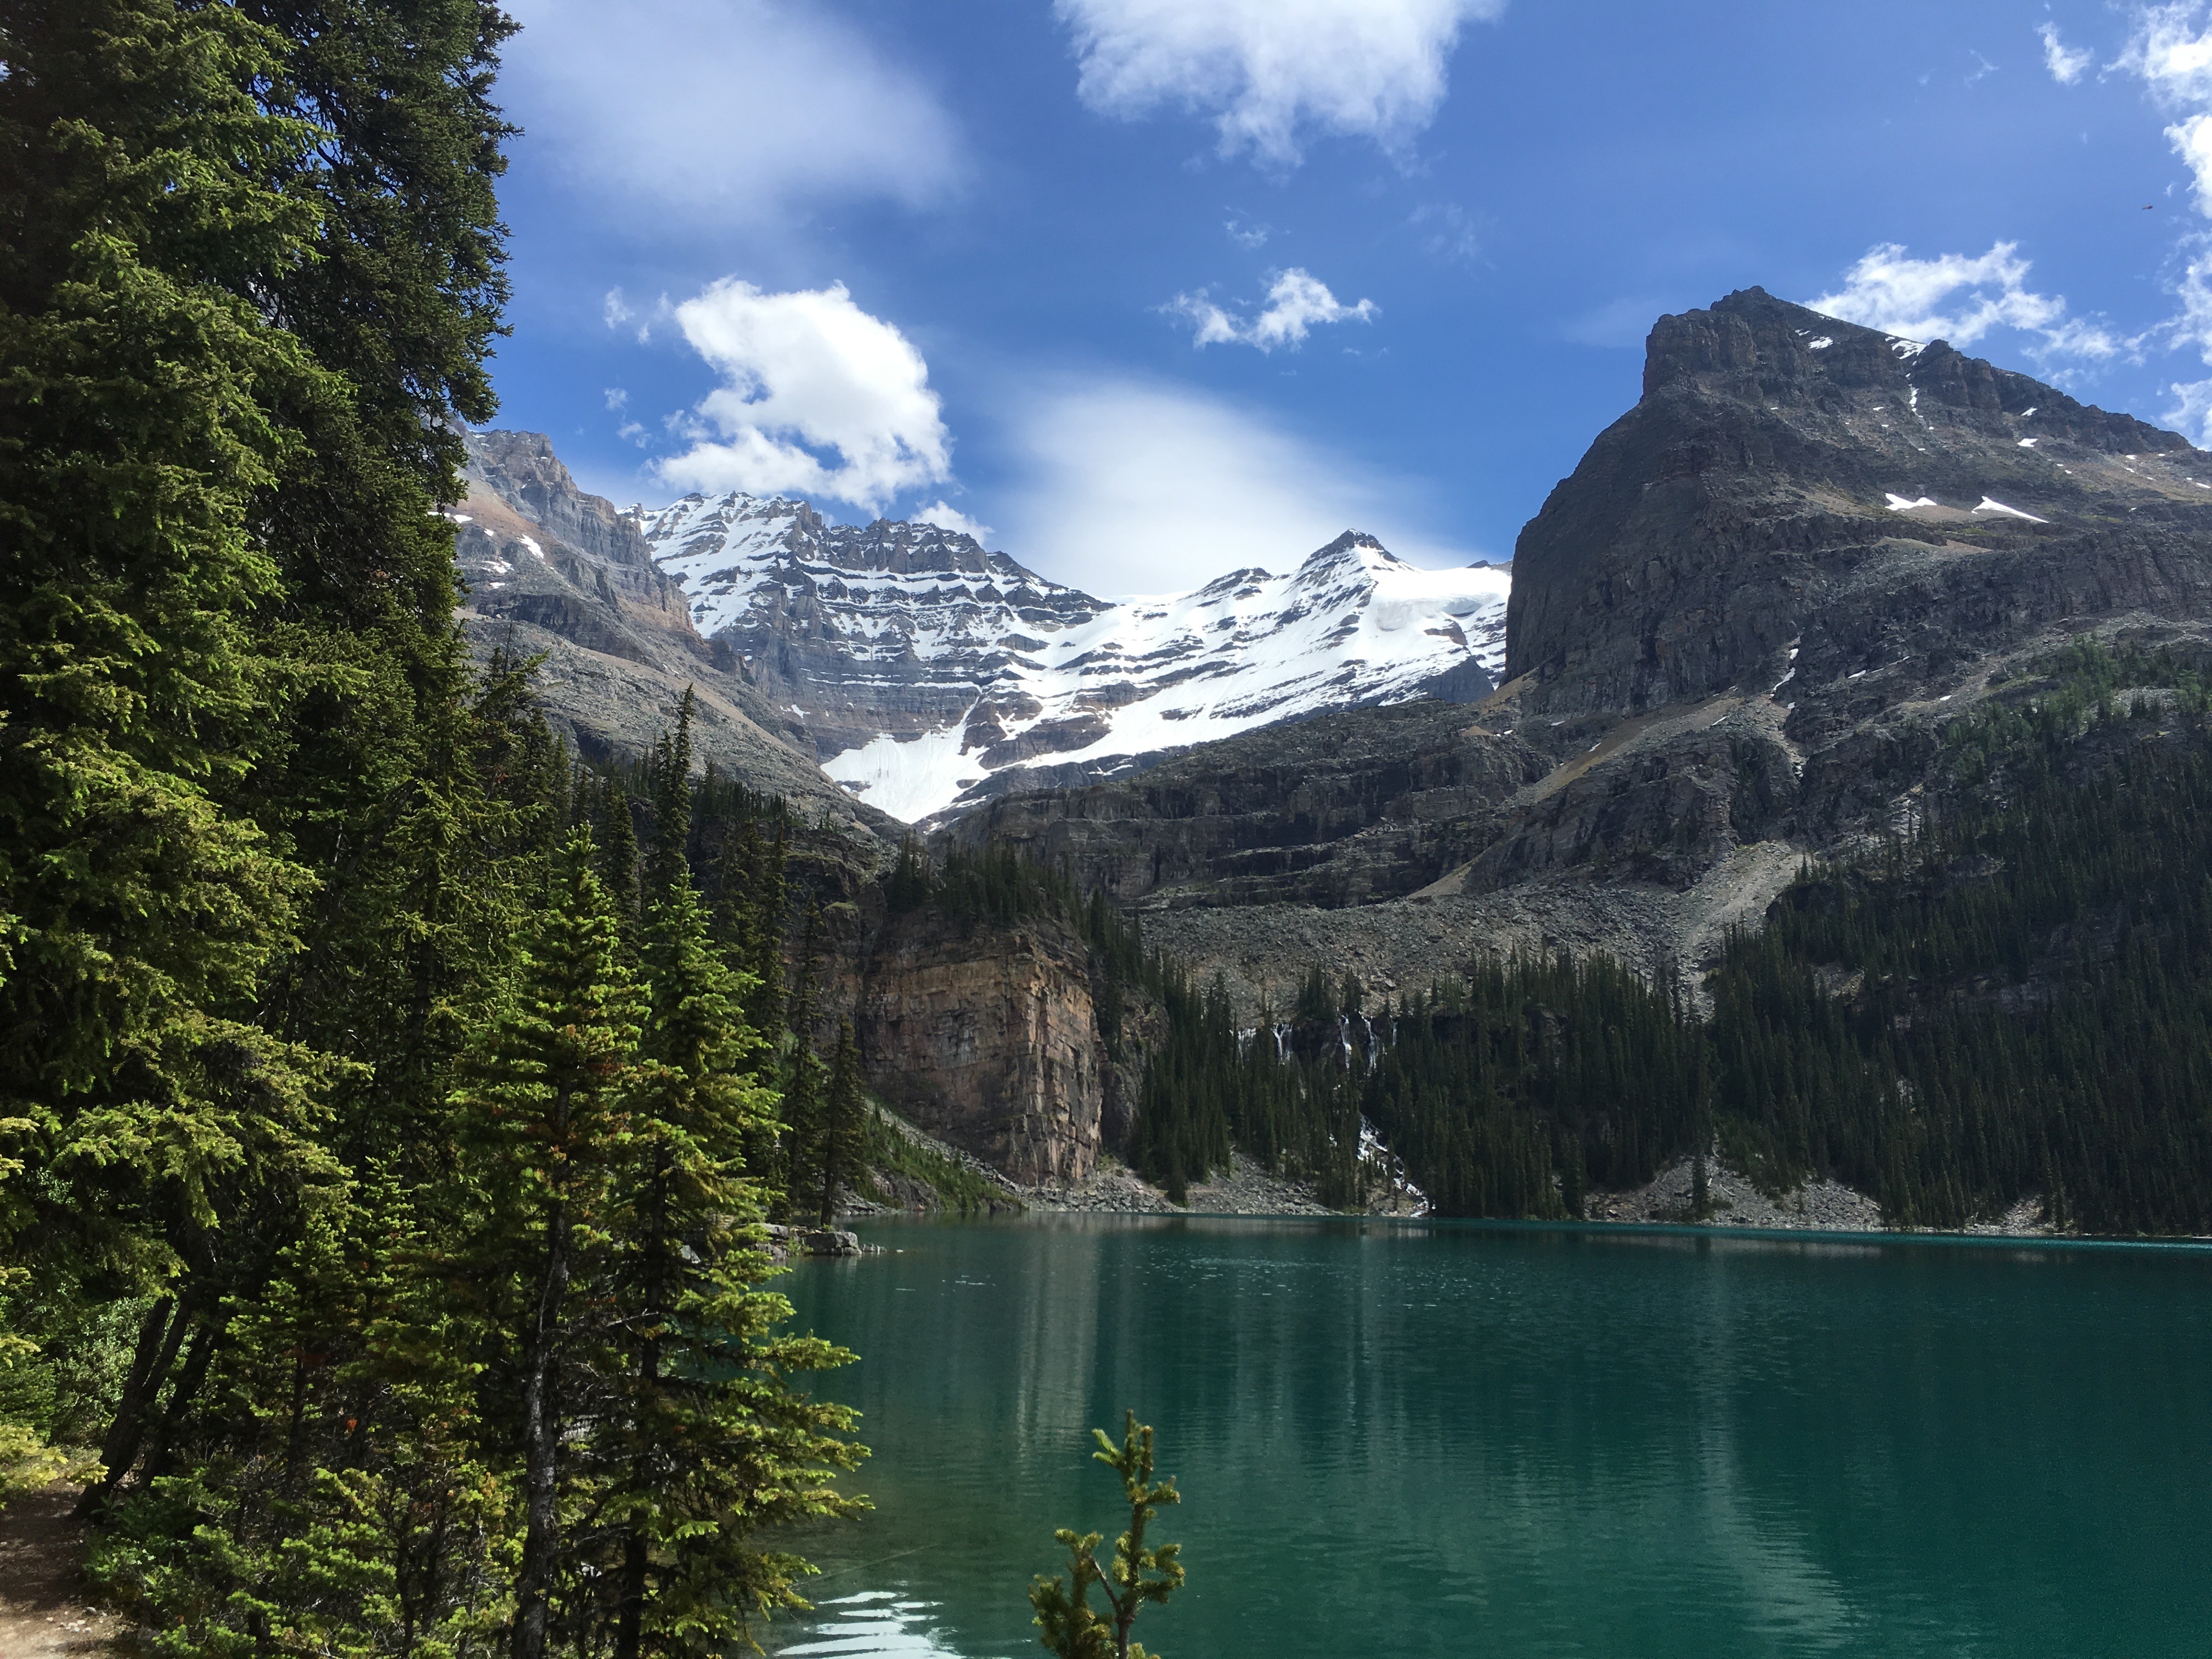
(386, 1107)
(2013, 1001)
(2029, 1009)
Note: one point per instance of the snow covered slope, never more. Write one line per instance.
(932, 674)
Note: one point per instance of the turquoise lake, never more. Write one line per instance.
(1460, 1439)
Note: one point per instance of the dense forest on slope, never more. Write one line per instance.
(386, 1107)
(2011, 999)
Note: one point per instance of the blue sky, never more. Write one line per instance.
(1154, 288)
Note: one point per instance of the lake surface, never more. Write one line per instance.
(1452, 1439)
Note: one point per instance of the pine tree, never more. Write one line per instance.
(545, 1121)
(708, 1443)
(1139, 1574)
(844, 1127)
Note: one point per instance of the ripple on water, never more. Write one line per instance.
(872, 1624)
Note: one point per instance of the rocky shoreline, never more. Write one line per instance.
(1733, 1203)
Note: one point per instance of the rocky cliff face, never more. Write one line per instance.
(1789, 482)
(987, 1039)
(930, 674)
(553, 571)
(1343, 809)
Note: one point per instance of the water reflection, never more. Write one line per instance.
(871, 1623)
(1435, 1439)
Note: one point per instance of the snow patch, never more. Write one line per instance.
(2029, 443)
(1821, 344)
(531, 543)
(908, 779)
(1990, 504)
(1351, 624)
(1901, 504)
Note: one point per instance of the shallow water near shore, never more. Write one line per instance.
(1439, 1438)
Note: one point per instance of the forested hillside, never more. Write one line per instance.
(2009, 998)
(386, 1126)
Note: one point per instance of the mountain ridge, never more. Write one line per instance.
(933, 675)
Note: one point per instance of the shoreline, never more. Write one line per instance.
(1735, 1205)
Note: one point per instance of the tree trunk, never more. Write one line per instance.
(540, 1429)
(150, 1364)
(637, 1553)
(204, 1342)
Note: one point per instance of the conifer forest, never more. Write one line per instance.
(396, 1101)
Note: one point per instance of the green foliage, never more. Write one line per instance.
(1139, 1573)
(319, 1169)
(958, 1187)
(2012, 1003)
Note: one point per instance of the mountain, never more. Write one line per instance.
(932, 675)
(554, 572)
(1790, 481)
(1738, 634)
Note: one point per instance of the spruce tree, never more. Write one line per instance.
(708, 1442)
(1139, 1573)
(546, 1119)
(844, 1125)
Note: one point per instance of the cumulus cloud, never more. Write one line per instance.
(1270, 73)
(1297, 302)
(806, 375)
(1139, 488)
(947, 517)
(2173, 55)
(2067, 64)
(2190, 412)
(1961, 297)
(746, 110)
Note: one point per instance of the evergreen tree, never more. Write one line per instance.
(844, 1125)
(672, 801)
(800, 1140)
(545, 1121)
(713, 1443)
(1138, 1573)
(618, 862)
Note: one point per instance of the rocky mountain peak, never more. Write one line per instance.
(1752, 347)
(933, 673)
(1778, 459)
(1353, 545)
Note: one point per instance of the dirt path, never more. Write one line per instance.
(43, 1610)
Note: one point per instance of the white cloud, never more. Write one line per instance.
(1297, 302)
(618, 399)
(806, 373)
(2067, 64)
(947, 517)
(1246, 234)
(2191, 413)
(744, 110)
(1136, 488)
(2173, 56)
(1960, 297)
(1448, 231)
(1270, 72)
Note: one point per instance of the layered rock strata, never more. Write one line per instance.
(556, 572)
